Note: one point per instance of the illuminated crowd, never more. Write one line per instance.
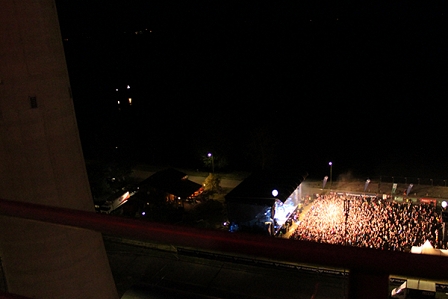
(369, 222)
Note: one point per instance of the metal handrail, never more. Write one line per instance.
(362, 262)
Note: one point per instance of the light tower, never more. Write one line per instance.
(41, 161)
(331, 173)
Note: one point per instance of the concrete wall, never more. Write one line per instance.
(41, 161)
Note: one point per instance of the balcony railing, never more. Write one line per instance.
(369, 269)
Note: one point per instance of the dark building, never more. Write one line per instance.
(264, 201)
(170, 185)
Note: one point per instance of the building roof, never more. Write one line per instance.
(172, 181)
(258, 187)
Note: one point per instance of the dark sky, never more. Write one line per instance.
(296, 82)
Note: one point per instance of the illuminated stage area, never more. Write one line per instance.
(264, 202)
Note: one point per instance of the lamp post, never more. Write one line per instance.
(213, 162)
(273, 223)
(444, 220)
(346, 214)
(331, 173)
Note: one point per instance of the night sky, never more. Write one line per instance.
(263, 83)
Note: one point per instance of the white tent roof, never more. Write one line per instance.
(428, 249)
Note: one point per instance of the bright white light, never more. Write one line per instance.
(209, 154)
(444, 204)
(118, 102)
(128, 87)
(274, 192)
(330, 163)
(130, 101)
(284, 210)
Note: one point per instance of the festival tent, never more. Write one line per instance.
(428, 249)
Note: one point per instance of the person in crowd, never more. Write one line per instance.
(369, 222)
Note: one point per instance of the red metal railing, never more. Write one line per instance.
(369, 268)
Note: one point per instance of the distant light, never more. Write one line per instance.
(116, 89)
(118, 102)
(130, 101)
(274, 192)
(330, 163)
(128, 87)
(209, 154)
(143, 213)
(444, 204)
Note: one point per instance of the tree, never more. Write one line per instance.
(212, 184)
(214, 161)
(262, 147)
(106, 177)
(97, 173)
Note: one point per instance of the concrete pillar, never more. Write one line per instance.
(41, 161)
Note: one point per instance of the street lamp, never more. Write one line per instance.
(346, 213)
(273, 222)
(213, 162)
(331, 173)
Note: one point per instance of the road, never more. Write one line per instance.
(135, 263)
(132, 265)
